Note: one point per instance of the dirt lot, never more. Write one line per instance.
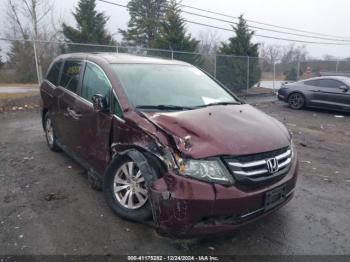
(47, 206)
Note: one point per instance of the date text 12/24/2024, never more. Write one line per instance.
(173, 258)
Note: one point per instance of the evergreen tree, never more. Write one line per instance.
(21, 60)
(173, 35)
(145, 19)
(1, 62)
(232, 71)
(90, 27)
(291, 75)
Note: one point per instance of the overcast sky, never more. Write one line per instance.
(323, 16)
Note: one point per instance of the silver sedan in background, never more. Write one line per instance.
(330, 92)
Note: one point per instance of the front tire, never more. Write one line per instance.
(50, 134)
(126, 192)
(296, 101)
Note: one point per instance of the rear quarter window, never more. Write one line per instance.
(53, 74)
(71, 75)
(311, 83)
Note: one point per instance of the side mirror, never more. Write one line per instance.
(344, 88)
(99, 103)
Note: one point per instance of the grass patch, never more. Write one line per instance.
(18, 85)
(9, 96)
(270, 78)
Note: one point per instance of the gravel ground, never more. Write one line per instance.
(47, 206)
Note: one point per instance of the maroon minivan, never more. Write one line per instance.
(167, 143)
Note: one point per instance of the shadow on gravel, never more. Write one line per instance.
(319, 110)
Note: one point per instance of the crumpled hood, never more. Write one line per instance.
(223, 130)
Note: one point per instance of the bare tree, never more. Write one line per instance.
(29, 20)
(329, 58)
(270, 54)
(293, 54)
(292, 59)
(208, 45)
(14, 22)
(209, 41)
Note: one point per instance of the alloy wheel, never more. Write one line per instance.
(49, 131)
(130, 187)
(296, 101)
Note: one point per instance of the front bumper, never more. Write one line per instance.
(282, 95)
(185, 207)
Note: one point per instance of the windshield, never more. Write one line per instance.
(150, 85)
(347, 81)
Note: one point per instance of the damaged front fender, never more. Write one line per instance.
(138, 133)
(177, 202)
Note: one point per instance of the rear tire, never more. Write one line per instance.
(296, 101)
(50, 134)
(125, 190)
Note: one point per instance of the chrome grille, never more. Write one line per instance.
(260, 167)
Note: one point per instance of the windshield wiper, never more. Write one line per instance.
(164, 107)
(220, 104)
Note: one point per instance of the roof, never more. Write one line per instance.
(115, 58)
(340, 78)
(329, 73)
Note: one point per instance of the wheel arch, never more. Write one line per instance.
(149, 164)
(160, 157)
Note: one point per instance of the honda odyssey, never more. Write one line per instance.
(167, 143)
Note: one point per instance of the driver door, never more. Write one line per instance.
(331, 94)
(94, 127)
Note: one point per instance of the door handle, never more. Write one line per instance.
(68, 112)
(73, 114)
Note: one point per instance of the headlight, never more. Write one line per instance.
(206, 170)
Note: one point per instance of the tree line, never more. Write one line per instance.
(154, 24)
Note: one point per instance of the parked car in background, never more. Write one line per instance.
(168, 144)
(332, 73)
(329, 92)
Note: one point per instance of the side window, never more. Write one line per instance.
(54, 73)
(70, 75)
(328, 83)
(324, 83)
(334, 83)
(95, 82)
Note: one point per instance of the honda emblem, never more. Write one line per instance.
(272, 165)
